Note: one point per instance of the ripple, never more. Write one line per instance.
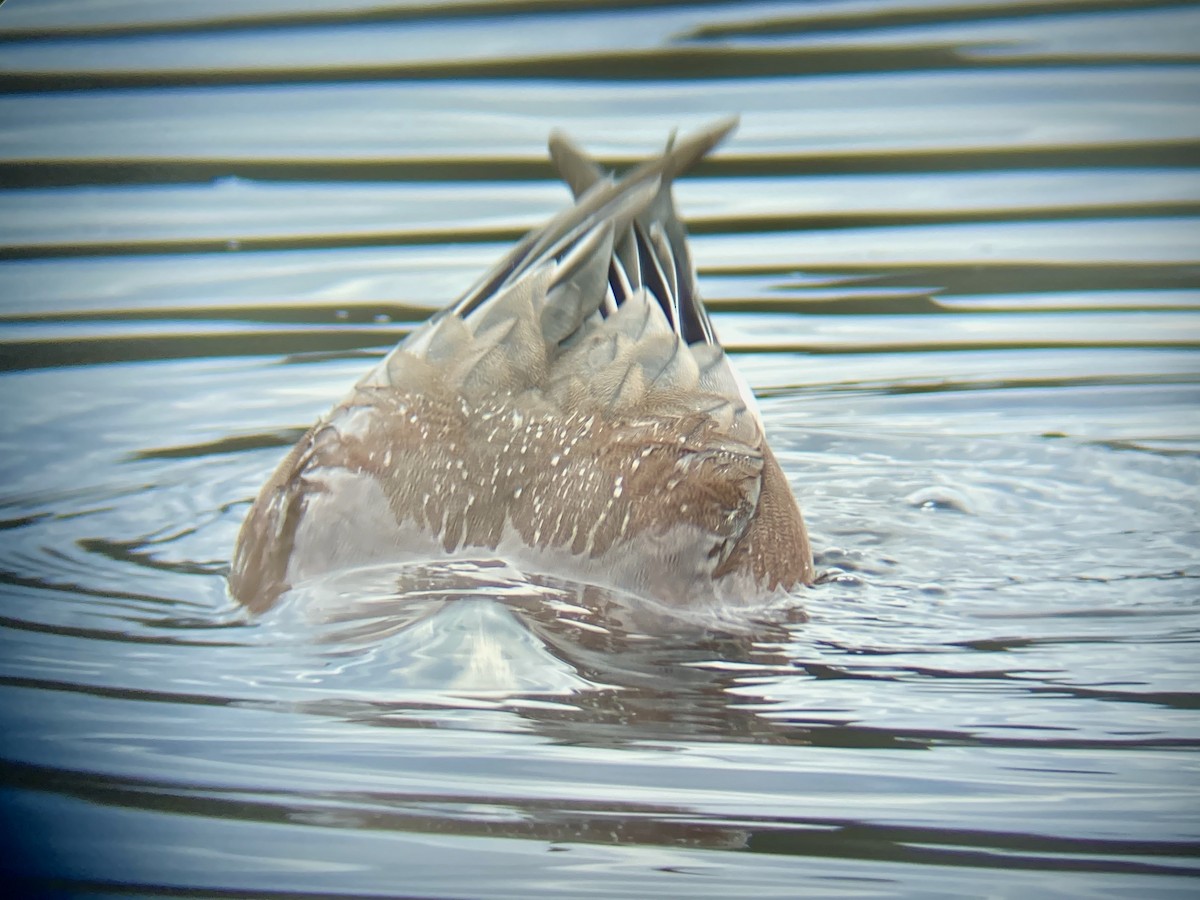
(954, 250)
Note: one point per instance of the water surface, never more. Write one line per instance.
(955, 249)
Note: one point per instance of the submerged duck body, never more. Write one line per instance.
(573, 412)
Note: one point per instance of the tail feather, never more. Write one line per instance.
(617, 257)
(653, 250)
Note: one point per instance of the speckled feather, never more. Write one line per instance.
(573, 411)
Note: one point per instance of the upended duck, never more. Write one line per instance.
(572, 413)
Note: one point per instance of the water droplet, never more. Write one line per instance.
(939, 498)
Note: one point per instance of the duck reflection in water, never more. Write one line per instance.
(579, 662)
(572, 414)
(459, 644)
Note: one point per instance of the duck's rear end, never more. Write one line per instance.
(574, 413)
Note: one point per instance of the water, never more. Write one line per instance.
(956, 250)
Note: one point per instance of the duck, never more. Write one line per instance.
(573, 412)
